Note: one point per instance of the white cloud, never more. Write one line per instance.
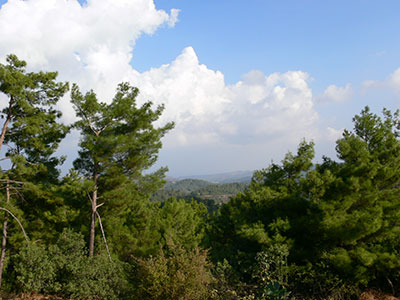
(392, 82)
(92, 45)
(258, 109)
(367, 84)
(195, 96)
(334, 134)
(335, 93)
(174, 17)
(52, 33)
(266, 106)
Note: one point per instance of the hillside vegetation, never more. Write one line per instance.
(211, 194)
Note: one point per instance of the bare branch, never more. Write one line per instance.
(101, 204)
(90, 198)
(104, 236)
(85, 117)
(20, 224)
(96, 132)
(391, 284)
(12, 181)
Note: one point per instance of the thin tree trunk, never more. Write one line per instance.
(4, 239)
(5, 125)
(5, 220)
(92, 224)
(104, 236)
(94, 209)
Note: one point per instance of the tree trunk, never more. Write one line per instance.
(4, 239)
(5, 125)
(93, 223)
(104, 236)
(94, 209)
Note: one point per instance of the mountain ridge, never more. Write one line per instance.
(221, 178)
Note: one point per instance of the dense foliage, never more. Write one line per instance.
(106, 230)
(339, 218)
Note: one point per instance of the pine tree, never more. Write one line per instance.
(277, 208)
(118, 142)
(362, 206)
(31, 133)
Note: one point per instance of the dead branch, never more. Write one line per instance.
(391, 284)
(12, 181)
(90, 198)
(20, 224)
(104, 236)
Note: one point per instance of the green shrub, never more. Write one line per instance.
(65, 269)
(174, 274)
(98, 278)
(271, 274)
(226, 285)
(319, 282)
(35, 270)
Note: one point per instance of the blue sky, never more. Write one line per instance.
(244, 81)
(335, 41)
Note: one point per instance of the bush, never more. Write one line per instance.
(226, 285)
(65, 269)
(174, 274)
(35, 270)
(271, 274)
(320, 282)
(98, 278)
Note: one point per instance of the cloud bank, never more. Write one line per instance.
(206, 110)
(93, 46)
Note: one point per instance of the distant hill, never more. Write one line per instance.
(228, 177)
(209, 193)
(186, 186)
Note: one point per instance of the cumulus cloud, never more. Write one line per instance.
(195, 96)
(266, 106)
(392, 82)
(335, 93)
(256, 109)
(93, 46)
(94, 40)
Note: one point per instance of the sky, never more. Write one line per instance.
(244, 81)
